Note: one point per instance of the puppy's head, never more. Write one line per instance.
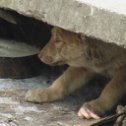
(63, 47)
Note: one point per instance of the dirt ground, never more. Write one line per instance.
(14, 111)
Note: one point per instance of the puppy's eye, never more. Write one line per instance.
(58, 40)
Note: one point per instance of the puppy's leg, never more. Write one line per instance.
(72, 79)
(109, 97)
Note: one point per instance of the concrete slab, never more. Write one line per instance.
(105, 20)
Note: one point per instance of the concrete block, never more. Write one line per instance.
(104, 20)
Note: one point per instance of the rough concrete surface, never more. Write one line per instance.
(15, 111)
(105, 20)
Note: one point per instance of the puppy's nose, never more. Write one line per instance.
(40, 55)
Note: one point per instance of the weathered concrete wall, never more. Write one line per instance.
(85, 16)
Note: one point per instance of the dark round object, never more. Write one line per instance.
(20, 67)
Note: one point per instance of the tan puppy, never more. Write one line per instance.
(85, 58)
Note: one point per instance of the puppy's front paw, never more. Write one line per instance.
(92, 109)
(85, 112)
(37, 95)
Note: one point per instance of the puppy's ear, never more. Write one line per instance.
(57, 32)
